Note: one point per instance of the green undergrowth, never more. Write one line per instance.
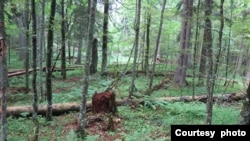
(151, 121)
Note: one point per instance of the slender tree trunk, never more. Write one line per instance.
(196, 44)
(137, 32)
(80, 44)
(180, 76)
(34, 64)
(229, 41)
(156, 49)
(94, 60)
(105, 37)
(27, 63)
(48, 61)
(208, 45)
(82, 112)
(42, 52)
(63, 55)
(146, 67)
(3, 75)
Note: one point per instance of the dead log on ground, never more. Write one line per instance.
(62, 108)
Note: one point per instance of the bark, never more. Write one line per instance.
(196, 44)
(27, 65)
(229, 40)
(34, 64)
(42, 50)
(156, 49)
(3, 75)
(180, 77)
(208, 45)
(82, 112)
(105, 37)
(48, 61)
(244, 118)
(137, 32)
(63, 55)
(94, 60)
(146, 67)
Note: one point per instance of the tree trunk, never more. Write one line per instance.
(80, 44)
(180, 76)
(82, 112)
(244, 118)
(146, 67)
(27, 63)
(34, 64)
(94, 60)
(42, 50)
(105, 37)
(156, 49)
(48, 61)
(229, 40)
(3, 75)
(63, 55)
(196, 44)
(137, 32)
(208, 45)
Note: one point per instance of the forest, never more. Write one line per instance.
(121, 70)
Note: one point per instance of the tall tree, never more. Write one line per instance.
(105, 37)
(49, 61)
(3, 75)
(34, 64)
(157, 47)
(82, 112)
(42, 50)
(63, 54)
(180, 75)
(196, 44)
(27, 58)
(137, 32)
(146, 64)
(207, 43)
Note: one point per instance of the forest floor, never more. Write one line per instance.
(149, 121)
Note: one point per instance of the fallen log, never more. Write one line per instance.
(62, 108)
(22, 72)
(57, 109)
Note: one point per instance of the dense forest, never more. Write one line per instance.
(121, 69)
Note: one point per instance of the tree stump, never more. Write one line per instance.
(104, 102)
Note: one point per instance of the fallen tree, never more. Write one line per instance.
(62, 108)
(22, 72)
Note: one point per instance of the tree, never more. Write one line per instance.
(63, 55)
(3, 75)
(82, 112)
(156, 48)
(207, 44)
(27, 58)
(146, 64)
(49, 60)
(34, 64)
(137, 32)
(94, 60)
(244, 118)
(180, 75)
(42, 48)
(105, 37)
